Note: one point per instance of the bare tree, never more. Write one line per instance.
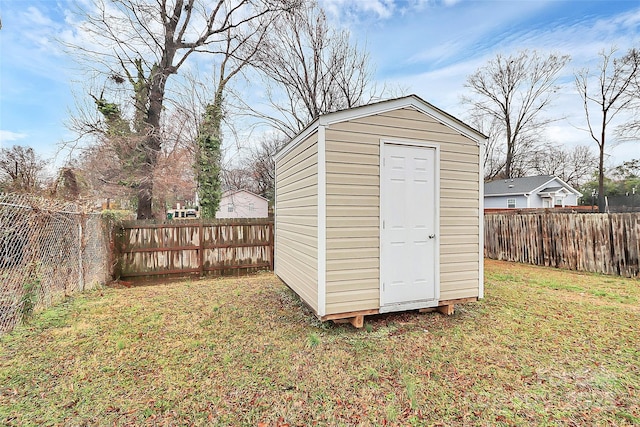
(605, 99)
(627, 170)
(574, 166)
(493, 162)
(238, 178)
(145, 42)
(630, 131)
(21, 169)
(261, 166)
(512, 93)
(310, 69)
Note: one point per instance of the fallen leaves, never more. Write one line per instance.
(246, 351)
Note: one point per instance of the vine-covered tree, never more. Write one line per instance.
(208, 162)
(512, 92)
(148, 41)
(239, 49)
(68, 184)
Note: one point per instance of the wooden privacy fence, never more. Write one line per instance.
(601, 243)
(194, 247)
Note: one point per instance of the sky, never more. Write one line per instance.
(426, 47)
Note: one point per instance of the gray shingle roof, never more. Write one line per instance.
(515, 185)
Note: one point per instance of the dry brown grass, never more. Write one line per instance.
(546, 347)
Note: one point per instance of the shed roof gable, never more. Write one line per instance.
(411, 101)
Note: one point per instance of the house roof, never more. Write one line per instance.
(410, 101)
(526, 185)
(232, 192)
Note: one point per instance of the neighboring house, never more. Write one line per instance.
(542, 191)
(242, 204)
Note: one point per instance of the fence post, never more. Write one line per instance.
(201, 249)
(272, 244)
(80, 267)
(116, 243)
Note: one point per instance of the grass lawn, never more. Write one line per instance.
(546, 347)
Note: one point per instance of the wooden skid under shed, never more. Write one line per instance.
(356, 318)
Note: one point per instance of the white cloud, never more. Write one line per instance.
(35, 17)
(352, 12)
(7, 136)
(433, 51)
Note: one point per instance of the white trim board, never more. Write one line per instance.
(481, 221)
(322, 222)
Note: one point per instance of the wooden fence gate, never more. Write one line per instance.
(218, 247)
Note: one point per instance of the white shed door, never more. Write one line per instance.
(408, 235)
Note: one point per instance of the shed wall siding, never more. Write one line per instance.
(296, 220)
(353, 188)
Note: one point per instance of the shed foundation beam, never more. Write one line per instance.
(356, 318)
(357, 321)
(447, 310)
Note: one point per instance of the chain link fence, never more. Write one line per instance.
(48, 250)
(623, 203)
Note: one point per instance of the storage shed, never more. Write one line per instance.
(379, 209)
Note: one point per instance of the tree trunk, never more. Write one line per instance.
(603, 135)
(601, 206)
(145, 197)
(151, 146)
(507, 164)
(510, 149)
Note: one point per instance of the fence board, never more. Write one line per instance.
(209, 247)
(601, 243)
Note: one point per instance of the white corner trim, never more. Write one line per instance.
(381, 269)
(275, 221)
(438, 231)
(481, 222)
(322, 222)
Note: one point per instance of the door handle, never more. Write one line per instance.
(431, 236)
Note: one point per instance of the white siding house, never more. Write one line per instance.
(542, 191)
(379, 209)
(242, 204)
